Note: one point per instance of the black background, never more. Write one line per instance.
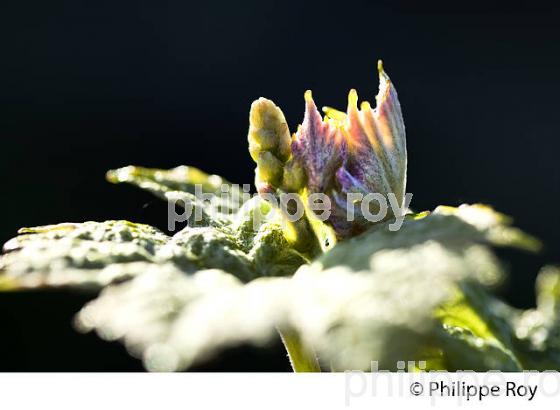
(87, 86)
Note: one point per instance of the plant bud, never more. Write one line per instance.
(362, 151)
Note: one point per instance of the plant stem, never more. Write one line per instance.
(302, 358)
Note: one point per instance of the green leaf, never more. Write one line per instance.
(78, 254)
(370, 298)
(248, 245)
(537, 330)
(383, 296)
(328, 309)
(474, 333)
(466, 351)
(180, 184)
(452, 228)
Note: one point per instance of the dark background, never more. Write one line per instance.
(87, 86)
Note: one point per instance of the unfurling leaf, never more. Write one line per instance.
(180, 183)
(370, 298)
(93, 254)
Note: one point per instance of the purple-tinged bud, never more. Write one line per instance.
(360, 152)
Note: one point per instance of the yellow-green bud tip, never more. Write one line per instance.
(352, 100)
